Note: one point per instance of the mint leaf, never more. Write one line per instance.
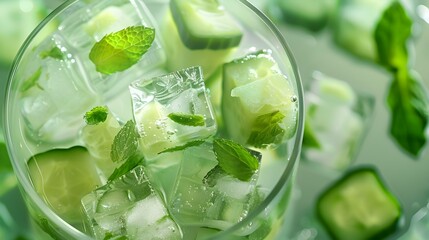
(126, 143)
(210, 179)
(235, 160)
(184, 146)
(127, 166)
(118, 51)
(4, 159)
(187, 119)
(408, 103)
(55, 53)
(391, 35)
(407, 99)
(32, 80)
(266, 130)
(310, 140)
(96, 115)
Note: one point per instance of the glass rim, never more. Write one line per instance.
(25, 183)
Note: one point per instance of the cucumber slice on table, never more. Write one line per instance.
(258, 106)
(359, 207)
(204, 24)
(62, 177)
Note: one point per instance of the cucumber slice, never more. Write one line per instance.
(204, 24)
(254, 91)
(313, 15)
(62, 177)
(98, 140)
(359, 206)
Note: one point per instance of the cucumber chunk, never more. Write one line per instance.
(62, 177)
(354, 26)
(258, 105)
(204, 24)
(359, 206)
(312, 15)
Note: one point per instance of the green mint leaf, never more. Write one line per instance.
(127, 166)
(310, 139)
(118, 51)
(235, 160)
(187, 119)
(54, 52)
(184, 146)
(266, 130)
(391, 35)
(96, 115)
(213, 175)
(408, 103)
(126, 143)
(32, 80)
(5, 164)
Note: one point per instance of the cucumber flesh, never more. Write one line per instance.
(313, 15)
(204, 24)
(359, 207)
(253, 87)
(62, 177)
(354, 26)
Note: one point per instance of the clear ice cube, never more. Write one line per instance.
(88, 24)
(129, 207)
(219, 204)
(419, 226)
(54, 93)
(337, 119)
(181, 92)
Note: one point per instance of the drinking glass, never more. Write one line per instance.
(48, 94)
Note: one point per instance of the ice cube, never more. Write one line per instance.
(129, 207)
(88, 24)
(217, 203)
(419, 226)
(55, 95)
(154, 101)
(337, 120)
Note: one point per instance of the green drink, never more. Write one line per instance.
(155, 120)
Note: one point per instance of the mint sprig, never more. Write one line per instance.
(119, 51)
(266, 130)
(193, 120)
(184, 146)
(127, 166)
(96, 115)
(408, 103)
(32, 80)
(54, 53)
(125, 143)
(235, 159)
(407, 99)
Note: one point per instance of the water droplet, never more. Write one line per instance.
(294, 98)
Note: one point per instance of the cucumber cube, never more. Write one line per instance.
(359, 206)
